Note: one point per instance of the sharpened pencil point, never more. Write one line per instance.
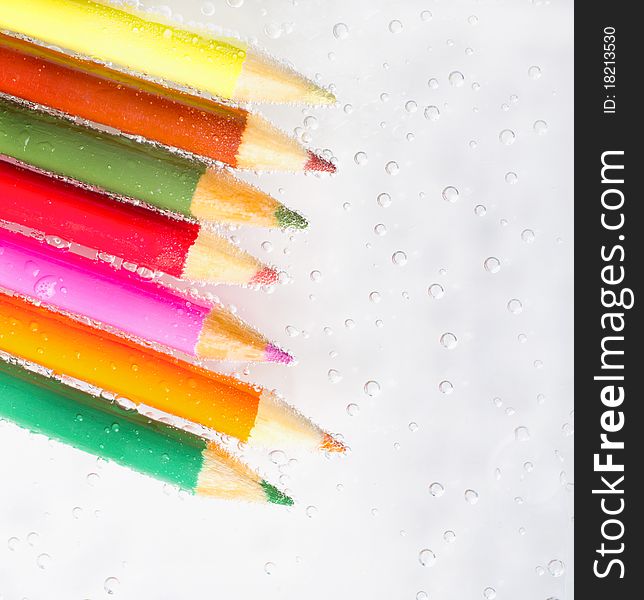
(277, 355)
(317, 163)
(289, 218)
(265, 276)
(275, 496)
(330, 444)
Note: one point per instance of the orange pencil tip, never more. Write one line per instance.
(330, 444)
(265, 276)
(317, 163)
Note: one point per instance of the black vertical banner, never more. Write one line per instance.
(609, 257)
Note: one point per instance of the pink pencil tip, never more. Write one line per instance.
(277, 355)
(265, 276)
(317, 163)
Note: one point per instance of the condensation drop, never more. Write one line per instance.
(395, 26)
(456, 78)
(480, 210)
(384, 200)
(340, 31)
(436, 489)
(527, 235)
(515, 306)
(449, 341)
(426, 557)
(353, 409)
(534, 72)
(489, 593)
(361, 158)
(432, 113)
(392, 168)
(492, 264)
(334, 376)
(511, 178)
(111, 585)
(380, 229)
(540, 127)
(372, 388)
(269, 568)
(399, 258)
(521, 434)
(450, 194)
(471, 496)
(507, 137)
(43, 561)
(449, 536)
(436, 291)
(426, 15)
(433, 84)
(445, 387)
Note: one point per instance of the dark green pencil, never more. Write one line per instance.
(44, 405)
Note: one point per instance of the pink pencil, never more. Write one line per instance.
(118, 299)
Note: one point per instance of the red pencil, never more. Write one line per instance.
(137, 235)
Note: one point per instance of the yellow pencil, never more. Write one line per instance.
(219, 66)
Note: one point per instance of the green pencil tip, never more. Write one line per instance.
(275, 496)
(289, 218)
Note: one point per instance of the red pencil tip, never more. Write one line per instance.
(277, 355)
(265, 276)
(317, 163)
(330, 444)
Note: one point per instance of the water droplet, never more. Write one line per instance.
(521, 434)
(534, 72)
(507, 137)
(334, 376)
(395, 26)
(13, 543)
(449, 536)
(436, 291)
(45, 287)
(445, 387)
(208, 9)
(489, 593)
(361, 158)
(450, 194)
(77, 512)
(426, 557)
(473, 20)
(432, 113)
(540, 127)
(436, 489)
(380, 229)
(511, 178)
(353, 410)
(539, 570)
(528, 467)
(340, 31)
(449, 341)
(411, 106)
(93, 479)
(269, 568)
(492, 264)
(384, 200)
(43, 560)
(433, 84)
(422, 595)
(456, 78)
(311, 511)
(392, 168)
(399, 258)
(375, 297)
(522, 338)
(316, 276)
(33, 538)
(515, 306)
(471, 496)
(426, 15)
(556, 568)
(480, 210)
(111, 585)
(413, 427)
(372, 388)
(527, 235)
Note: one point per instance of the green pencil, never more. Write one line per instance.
(44, 405)
(131, 169)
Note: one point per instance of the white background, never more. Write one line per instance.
(505, 432)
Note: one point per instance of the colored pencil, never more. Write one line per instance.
(139, 236)
(121, 300)
(231, 135)
(129, 169)
(144, 376)
(220, 66)
(94, 425)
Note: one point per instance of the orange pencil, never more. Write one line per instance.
(135, 107)
(251, 414)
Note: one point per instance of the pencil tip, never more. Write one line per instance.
(275, 496)
(318, 95)
(277, 355)
(317, 163)
(330, 444)
(289, 218)
(265, 276)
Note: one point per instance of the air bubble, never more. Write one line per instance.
(436, 291)
(384, 200)
(12, 543)
(111, 585)
(445, 387)
(269, 568)
(534, 72)
(426, 557)
(511, 177)
(353, 409)
(235, 3)
(380, 229)
(449, 536)
(426, 15)
(515, 306)
(340, 31)
(395, 26)
(471, 496)
(521, 434)
(436, 489)
(456, 78)
(361, 158)
(372, 388)
(527, 235)
(311, 511)
(208, 9)
(433, 83)
(489, 593)
(507, 137)
(334, 376)
(432, 113)
(411, 106)
(392, 168)
(540, 127)
(43, 561)
(556, 568)
(450, 194)
(449, 341)
(375, 297)
(473, 20)
(399, 258)
(492, 264)
(480, 210)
